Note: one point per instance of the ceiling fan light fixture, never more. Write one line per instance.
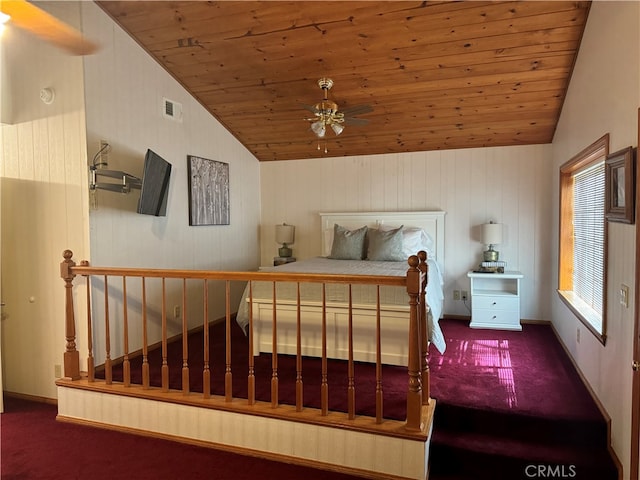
(318, 128)
(326, 113)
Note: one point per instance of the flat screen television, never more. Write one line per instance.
(155, 185)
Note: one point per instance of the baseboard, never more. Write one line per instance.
(447, 316)
(31, 398)
(535, 322)
(522, 321)
(156, 345)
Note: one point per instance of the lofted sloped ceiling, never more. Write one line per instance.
(438, 75)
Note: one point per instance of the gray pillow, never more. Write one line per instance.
(348, 244)
(386, 245)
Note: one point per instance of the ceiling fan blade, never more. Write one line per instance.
(38, 22)
(356, 121)
(311, 108)
(357, 110)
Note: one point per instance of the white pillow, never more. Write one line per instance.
(414, 240)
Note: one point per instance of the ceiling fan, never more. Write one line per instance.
(326, 113)
(27, 16)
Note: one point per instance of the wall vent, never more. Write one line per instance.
(172, 110)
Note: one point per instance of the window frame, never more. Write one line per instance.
(597, 151)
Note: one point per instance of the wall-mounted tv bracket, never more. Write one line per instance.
(127, 182)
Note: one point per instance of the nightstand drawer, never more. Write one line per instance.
(496, 302)
(496, 317)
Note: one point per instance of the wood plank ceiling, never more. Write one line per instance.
(438, 75)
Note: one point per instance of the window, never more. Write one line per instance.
(583, 240)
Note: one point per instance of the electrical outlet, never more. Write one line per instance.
(465, 295)
(176, 312)
(57, 371)
(456, 294)
(624, 295)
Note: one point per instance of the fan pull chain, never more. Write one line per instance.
(325, 147)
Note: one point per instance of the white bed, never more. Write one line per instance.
(394, 300)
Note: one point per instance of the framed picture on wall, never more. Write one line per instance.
(619, 186)
(208, 191)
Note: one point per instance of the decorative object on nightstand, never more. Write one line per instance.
(491, 235)
(285, 235)
(282, 260)
(495, 300)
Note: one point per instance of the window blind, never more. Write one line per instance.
(588, 229)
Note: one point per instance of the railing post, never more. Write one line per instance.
(71, 354)
(424, 328)
(414, 393)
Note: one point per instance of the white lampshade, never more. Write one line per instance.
(492, 233)
(337, 128)
(318, 128)
(285, 233)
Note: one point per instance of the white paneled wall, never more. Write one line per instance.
(599, 103)
(125, 88)
(44, 203)
(509, 185)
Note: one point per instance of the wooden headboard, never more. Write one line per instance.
(431, 222)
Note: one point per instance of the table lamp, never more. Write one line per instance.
(285, 235)
(491, 235)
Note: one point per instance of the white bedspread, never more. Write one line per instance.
(361, 294)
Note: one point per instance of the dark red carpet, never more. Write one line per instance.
(509, 404)
(525, 372)
(37, 447)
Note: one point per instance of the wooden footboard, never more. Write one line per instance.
(394, 330)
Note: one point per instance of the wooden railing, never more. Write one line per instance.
(415, 282)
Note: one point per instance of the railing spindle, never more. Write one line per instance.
(108, 371)
(324, 386)
(251, 379)
(351, 387)
(91, 372)
(274, 354)
(185, 342)
(299, 390)
(145, 340)
(206, 373)
(165, 364)
(228, 378)
(126, 365)
(379, 392)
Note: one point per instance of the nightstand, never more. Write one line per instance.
(495, 300)
(282, 260)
